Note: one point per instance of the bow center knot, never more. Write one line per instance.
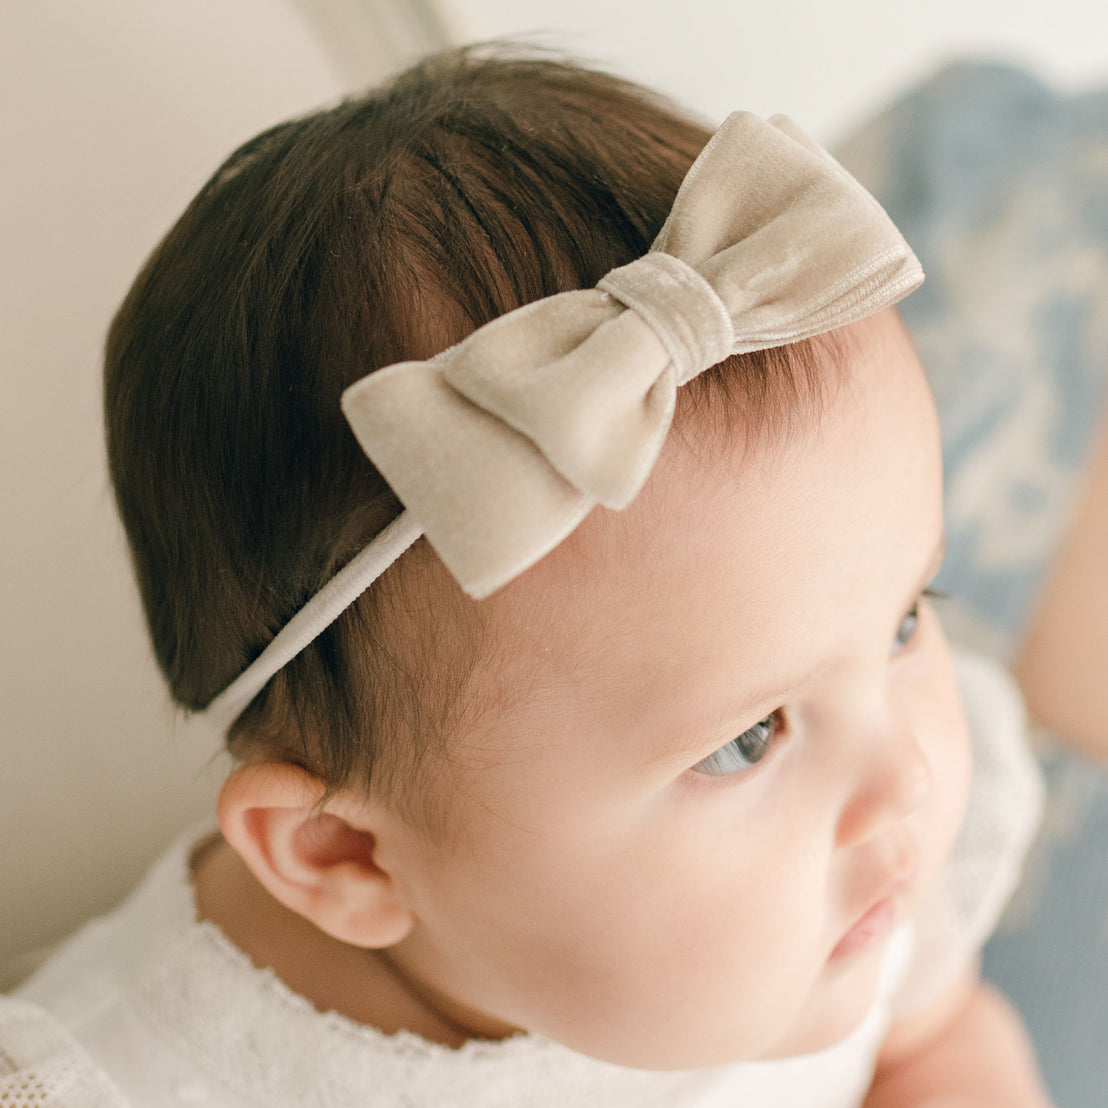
(690, 320)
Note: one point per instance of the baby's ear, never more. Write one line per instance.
(323, 864)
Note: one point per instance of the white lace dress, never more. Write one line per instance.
(150, 1009)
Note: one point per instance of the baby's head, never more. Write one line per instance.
(639, 798)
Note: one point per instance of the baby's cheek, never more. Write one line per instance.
(952, 770)
(951, 754)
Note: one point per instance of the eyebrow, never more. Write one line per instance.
(933, 567)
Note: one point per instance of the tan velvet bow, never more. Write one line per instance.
(502, 444)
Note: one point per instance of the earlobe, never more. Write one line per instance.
(322, 864)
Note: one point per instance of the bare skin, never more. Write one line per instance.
(1063, 662)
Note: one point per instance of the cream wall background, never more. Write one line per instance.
(112, 113)
(825, 63)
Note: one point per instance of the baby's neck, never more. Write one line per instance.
(334, 976)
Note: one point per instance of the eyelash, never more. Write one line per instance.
(731, 758)
(913, 615)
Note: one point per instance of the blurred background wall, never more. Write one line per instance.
(112, 114)
(825, 64)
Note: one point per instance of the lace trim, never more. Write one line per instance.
(41, 1066)
(250, 1032)
(245, 1027)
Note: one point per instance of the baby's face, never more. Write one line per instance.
(632, 876)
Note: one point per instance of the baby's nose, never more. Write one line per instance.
(893, 781)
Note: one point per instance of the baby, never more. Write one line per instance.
(596, 742)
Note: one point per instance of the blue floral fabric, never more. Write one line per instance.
(1000, 184)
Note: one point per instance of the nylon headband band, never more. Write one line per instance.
(316, 616)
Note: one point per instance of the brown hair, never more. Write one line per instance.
(383, 229)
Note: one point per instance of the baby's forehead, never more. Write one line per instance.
(654, 567)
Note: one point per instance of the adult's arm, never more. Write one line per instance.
(1062, 666)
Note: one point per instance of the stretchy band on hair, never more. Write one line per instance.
(501, 445)
(317, 615)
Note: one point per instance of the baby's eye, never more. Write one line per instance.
(741, 752)
(907, 629)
